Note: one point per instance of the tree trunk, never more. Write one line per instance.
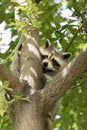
(28, 115)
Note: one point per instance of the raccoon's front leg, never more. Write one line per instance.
(15, 68)
(46, 78)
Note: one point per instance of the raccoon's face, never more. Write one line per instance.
(53, 60)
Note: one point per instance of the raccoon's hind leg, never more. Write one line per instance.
(48, 123)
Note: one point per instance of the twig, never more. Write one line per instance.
(71, 41)
(13, 51)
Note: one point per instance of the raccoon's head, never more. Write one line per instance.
(53, 60)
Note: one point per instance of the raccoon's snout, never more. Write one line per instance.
(45, 64)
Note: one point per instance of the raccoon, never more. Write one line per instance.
(53, 61)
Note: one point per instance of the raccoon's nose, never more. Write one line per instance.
(45, 64)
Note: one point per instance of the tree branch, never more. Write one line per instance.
(63, 80)
(71, 41)
(14, 83)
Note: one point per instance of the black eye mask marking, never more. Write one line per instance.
(55, 63)
(44, 56)
(66, 55)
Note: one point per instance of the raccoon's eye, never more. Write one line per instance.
(44, 56)
(55, 63)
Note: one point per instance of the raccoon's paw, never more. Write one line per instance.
(48, 78)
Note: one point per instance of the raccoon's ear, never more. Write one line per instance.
(66, 55)
(47, 43)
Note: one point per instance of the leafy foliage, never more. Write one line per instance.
(5, 122)
(73, 108)
(57, 20)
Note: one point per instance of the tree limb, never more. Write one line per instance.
(63, 80)
(14, 83)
